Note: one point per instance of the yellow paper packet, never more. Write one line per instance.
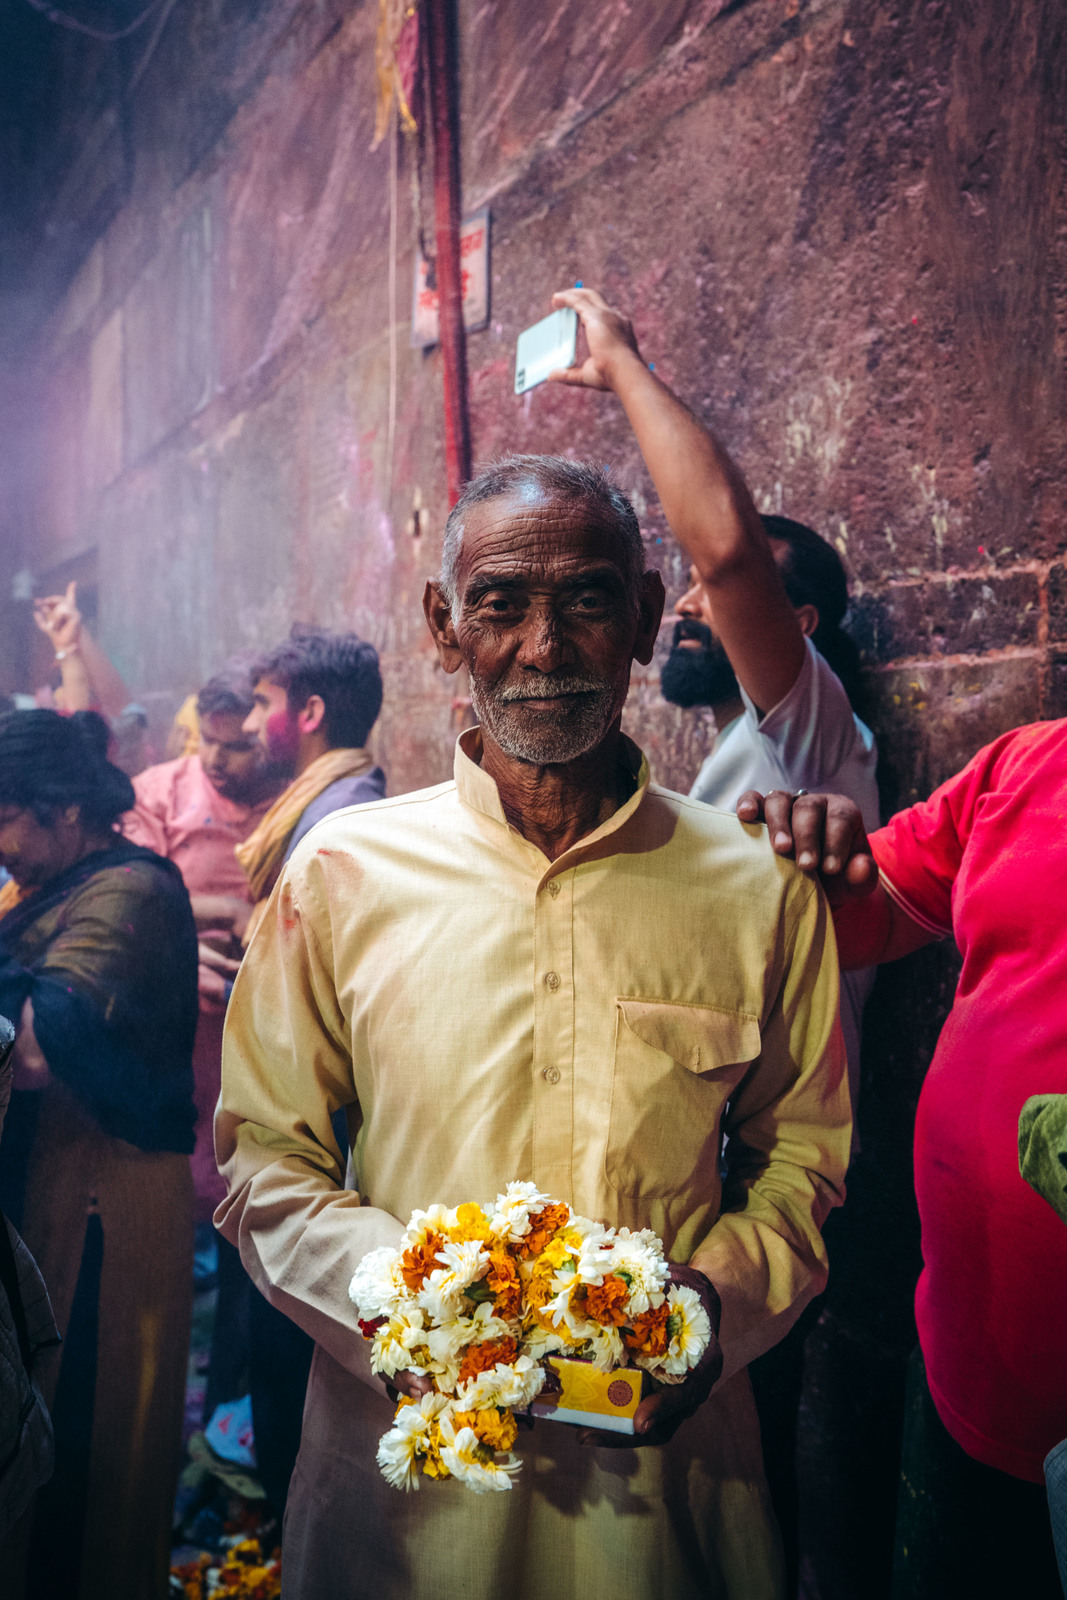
(589, 1398)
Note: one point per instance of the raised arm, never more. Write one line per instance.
(705, 500)
(90, 680)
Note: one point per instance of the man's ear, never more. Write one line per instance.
(309, 720)
(653, 598)
(443, 629)
(808, 617)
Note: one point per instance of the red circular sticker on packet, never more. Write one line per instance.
(620, 1393)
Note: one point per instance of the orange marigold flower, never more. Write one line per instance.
(483, 1357)
(606, 1302)
(648, 1335)
(503, 1278)
(543, 1224)
(417, 1263)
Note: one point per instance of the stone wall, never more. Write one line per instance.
(838, 226)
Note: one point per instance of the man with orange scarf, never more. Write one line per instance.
(316, 698)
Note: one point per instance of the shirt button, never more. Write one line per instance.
(552, 980)
(553, 888)
(550, 1074)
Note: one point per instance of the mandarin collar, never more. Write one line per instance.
(478, 791)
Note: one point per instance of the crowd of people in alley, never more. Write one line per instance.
(262, 1010)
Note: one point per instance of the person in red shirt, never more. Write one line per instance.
(984, 860)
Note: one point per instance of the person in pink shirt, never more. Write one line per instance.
(195, 811)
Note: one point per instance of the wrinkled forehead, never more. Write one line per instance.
(542, 537)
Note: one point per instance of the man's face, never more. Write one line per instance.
(546, 625)
(232, 759)
(274, 725)
(31, 852)
(697, 672)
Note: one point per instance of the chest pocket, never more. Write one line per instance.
(675, 1068)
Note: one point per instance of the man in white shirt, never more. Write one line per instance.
(812, 738)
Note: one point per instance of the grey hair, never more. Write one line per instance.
(582, 482)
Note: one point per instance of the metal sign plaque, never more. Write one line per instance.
(474, 266)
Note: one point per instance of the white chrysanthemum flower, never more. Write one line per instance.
(510, 1387)
(539, 1341)
(438, 1219)
(605, 1348)
(510, 1213)
(470, 1463)
(690, 1331)
(449, 1339)
(377, 1288)
(400, 1448)
(638, 1259)
(590, 1259)
(441, 1296)
(396, 1345)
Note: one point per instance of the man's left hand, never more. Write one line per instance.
(660, 1415)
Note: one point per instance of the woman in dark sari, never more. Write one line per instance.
(98, 967)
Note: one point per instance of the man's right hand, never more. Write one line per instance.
(410, 1383)
(824, 833)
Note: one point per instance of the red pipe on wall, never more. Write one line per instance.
(441, 55)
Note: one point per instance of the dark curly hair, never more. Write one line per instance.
(49, 762)
(341, 667)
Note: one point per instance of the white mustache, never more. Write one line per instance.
(548, 689)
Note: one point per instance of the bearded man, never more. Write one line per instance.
(548, 969)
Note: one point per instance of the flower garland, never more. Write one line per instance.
(476, 1298)
(242, 1574)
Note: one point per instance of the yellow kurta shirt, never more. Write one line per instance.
(595, 1024)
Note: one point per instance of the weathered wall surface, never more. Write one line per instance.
(839, 228)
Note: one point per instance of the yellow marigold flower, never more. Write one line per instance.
(433, 1466)
(496, 1429)
(471, 1223)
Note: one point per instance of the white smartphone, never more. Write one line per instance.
(549, 344)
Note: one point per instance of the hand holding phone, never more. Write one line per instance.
(548, 345)
(610, 337)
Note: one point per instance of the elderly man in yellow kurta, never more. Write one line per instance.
(548, 969)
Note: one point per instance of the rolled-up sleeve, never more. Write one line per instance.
(788, 1137)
